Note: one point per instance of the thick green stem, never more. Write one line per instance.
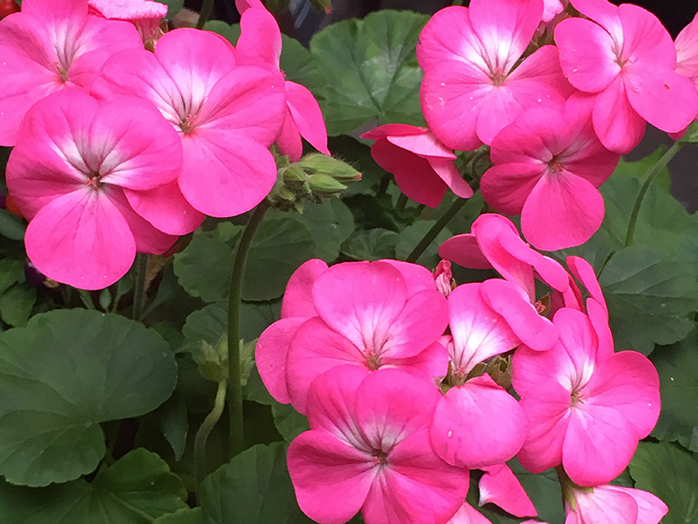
(237, 434)
(204, 14)
(202, 435)
(436, 229)
(649, 178)
(139, 285)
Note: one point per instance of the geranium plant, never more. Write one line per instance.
(403, 276)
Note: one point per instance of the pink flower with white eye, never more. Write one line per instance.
(477, 423)
(368, 449)
(260, 44)
(587, 407)
(625, 60)
(615, 504)
(298, 306)
(472, 85)
(144, 14)
(547, 166)
(76, 166)
(495, 243)
(423, 166)
(370, 315)
(48, 46)
(227, 116)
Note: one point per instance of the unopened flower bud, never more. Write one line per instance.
(212, 361)
(324, 185)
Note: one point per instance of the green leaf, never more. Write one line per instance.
(671, 473)
(183, 516)
(410, 237)
(16, 304)
(255, 317)
(135, 490)
(543, 490)
(230, 32)
(61, 376)
(677, 366)
(639, 168)
(11, 226)
(209, 324)
(174, 424)
(299, 66)
(253, 488)
(288, 421)
(282, 244)
(649, 298)
(329, 223)
(350, 150)
(11, 271)
(371, 245)
(371, 70)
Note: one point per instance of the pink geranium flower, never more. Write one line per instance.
(587, 407)
(547, 166)
(73, 173)
(614, 504)
(368, 449)
(423, 166)
(625, 59)
(369, 315)
(477, 423)
(473, 84)
(260, 44)
(226, 115)
(51, 45)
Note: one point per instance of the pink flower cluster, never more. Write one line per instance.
(119, 149)
(406, 389)
(556, 119)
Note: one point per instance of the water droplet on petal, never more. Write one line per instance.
(575, 70)
(636, 90)
(450, 433)
(443, 85)
(666, 85)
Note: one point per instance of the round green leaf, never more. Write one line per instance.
(135, 490)
(62, 375)
(413, 234)
(329, 223)
(253, 488)
(671, 473)
(371, 70)
(203, 268)
(677, 366)
(183, 516)
(649, 298)
(371, 245)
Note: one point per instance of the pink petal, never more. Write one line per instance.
(563, 211)
(650, 508)
(645, 39)
(584, 272)
(298, 298)
(464, 251)
(477, 424)
(538, 81)
(395, 130)
(289, 139)
(166, 208)
(430, 364)
(270, 356)
(413, 174)
(586, 54)
(448, 36)
(616, 123)
(506, 187)
(603, 505)
(307, 116)
(424, 145)
(129, 9)
(82, 240)
(447, 172)
(500, 486)
(416, 486)
(225, 174)
(346, 476)
(534, 330)
(628, 382)
(260, 38)
(661, 96)
(417, 278)
(468, 515)
(478, 332)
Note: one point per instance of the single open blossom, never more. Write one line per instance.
(587, 407)
(260, 44)
(625, 60)
(368, 449)
(547, 166)
(51, 45)
(77, 164)
(227, 116)
(616, 504)
(473, 84)
(369, 315)
(423, 166)
(477, 423)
